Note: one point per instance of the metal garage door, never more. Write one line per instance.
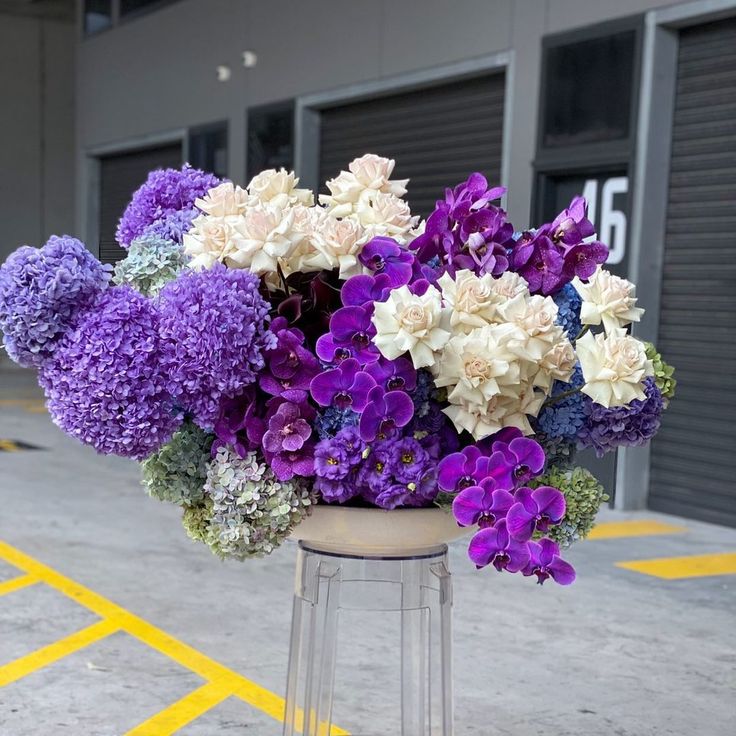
(120, 175)
(438, 135)
(694, 455)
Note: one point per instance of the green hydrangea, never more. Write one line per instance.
(177, 472)
(252, 511)
(196, 522)
(583, 496)
(151, 262)
(663, 372)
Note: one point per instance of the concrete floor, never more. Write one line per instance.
(619, 653)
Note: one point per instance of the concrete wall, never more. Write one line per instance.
(36, 130)
(157, 72)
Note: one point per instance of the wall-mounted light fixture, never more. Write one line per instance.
(250, 59)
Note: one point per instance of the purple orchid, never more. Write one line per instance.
(385, 412)
(572, 225)
(290, 366)
(484, 504)
(351, 333)
(535, 510)
(286, 445)
(582, 260)
(346, 386)
(494, 546)
(241, 423)
(545, 562)
(471, 195)
(540, 262)
(384, 255)
(437, 239)
(488, 235)
(461, 469)
(393, 375)
(516, 463)
(363, 290)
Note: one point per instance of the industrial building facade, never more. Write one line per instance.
(631, 103)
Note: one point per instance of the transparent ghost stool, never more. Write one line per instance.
(418, 587)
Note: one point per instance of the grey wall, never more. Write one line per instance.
(157, 72)
(36, 130)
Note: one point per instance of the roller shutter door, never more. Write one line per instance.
(120, 175)
(693, 465)
(437, 135)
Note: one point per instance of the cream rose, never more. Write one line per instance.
(224, 200)
(558, 362)
(508, 285)
(212, 239)
(608, 299)
(385, 214)
(279, 188)
(336, 244)
(408, 322)
(535, 318)
(366, 175)
(471, 299)
(614, 367)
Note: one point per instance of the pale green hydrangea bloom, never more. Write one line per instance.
(151, 262)
(663, 372)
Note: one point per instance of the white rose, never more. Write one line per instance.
(212, 239)
(471, 298)
(614, 367)
(508, 285)
(336, 244)
(535, 318)
(558, 362)
(267, 235)
(608, 299)
(224, 200)
(407, 322)
(368, 174)
(385, 214)
(305, 258)
(279, 188)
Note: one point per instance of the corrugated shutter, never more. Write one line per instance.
(694, 456)
(120, 176)
(437, 135)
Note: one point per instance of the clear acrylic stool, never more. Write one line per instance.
(418, 587)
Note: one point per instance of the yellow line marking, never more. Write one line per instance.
(634, 528)
(34, 406)
(22, 581)
(53, 652)
(8, 446)
(184, 711)
(676, 568)
(241, 687)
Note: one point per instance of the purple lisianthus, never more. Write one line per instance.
(290, 367)
(622, 426)
(241, 423)
(106, 384)
(363, 290)
(393, 375)
(164, 192)
(346, 387)
(545, 562)
(495, 546)
(409, 459)
(214, 333)
(484, 504)
(376, 471)
(336, 465)
(534, 511)
(350, 335)
(384, 413)
(384, 255)
(42, 292)
(286, 442)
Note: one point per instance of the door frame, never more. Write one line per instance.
(307, 107)
(650, 192)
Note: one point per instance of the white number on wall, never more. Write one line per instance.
(611, 226)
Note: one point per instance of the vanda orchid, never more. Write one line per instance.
(261, 353)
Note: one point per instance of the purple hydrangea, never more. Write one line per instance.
(105, 382)
(214, 333)
(42, 292)
(164, 192)
(173, 225)
(622, 426)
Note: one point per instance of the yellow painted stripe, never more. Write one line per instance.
(208, 669)
(8, 446)
(633, 528)
(676, 568)
(184, 711)
(53, 652)
(22, 581)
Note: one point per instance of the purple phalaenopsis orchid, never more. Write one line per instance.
(572, 225)
(351, 333)
(545, 562)
(540, 262)
(384, 255)
(535, 511)
(484, 504)
(516, 463)
(363, 290)
(461, 469)
(345, 387)
(393, 375)
(495, 546)
(384, 413)
(241, 423)
(471, 195)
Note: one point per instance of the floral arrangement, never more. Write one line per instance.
(261, 353)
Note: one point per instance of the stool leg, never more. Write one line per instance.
(440, 570)
(414, 645)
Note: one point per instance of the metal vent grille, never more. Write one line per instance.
(693, 462)
(120, 176)
(437, 135)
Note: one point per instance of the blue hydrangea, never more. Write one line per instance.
(563, 419)
(423, 393)
(568, 303)
(329, 422)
